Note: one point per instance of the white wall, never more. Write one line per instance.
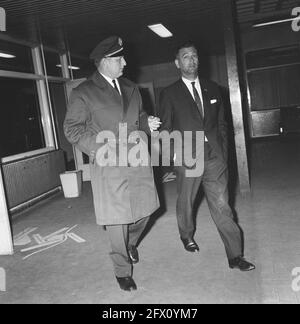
(6, 246)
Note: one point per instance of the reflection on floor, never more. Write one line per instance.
(82, 273)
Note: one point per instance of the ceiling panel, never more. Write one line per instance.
(83, 23)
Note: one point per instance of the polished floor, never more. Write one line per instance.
(73, 271)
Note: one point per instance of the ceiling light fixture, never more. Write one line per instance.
(274, 22)
(71, 67)
(160, 30)
(5, 55)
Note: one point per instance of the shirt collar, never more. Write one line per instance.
(108, 79)
(189, 82)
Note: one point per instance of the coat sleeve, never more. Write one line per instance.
(78, 125)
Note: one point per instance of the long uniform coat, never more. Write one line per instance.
(122, 194)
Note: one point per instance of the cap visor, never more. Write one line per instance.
(116, 54)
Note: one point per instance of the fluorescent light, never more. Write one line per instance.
(71, 67)
(5, 55)
(274, 22)
(160, 30)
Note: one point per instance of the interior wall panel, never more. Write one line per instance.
(29, 178)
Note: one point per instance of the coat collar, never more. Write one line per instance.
(127, 87)
(98, 79)
(204, 85)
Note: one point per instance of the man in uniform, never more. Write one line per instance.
(124, 196)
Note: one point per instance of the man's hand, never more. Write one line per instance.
(154, 123)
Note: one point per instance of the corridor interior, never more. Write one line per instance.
(79, 270)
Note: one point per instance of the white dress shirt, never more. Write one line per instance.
(110, 81)
(189, 85)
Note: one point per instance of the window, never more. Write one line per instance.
(273, 57)
(26, 122)
(274, 78)
(28, 126)
(81, 68)
(52, 62)
(20, 124)
(14, 57)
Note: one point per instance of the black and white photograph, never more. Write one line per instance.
(149, 155)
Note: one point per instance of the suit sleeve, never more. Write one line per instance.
(78, 126)
(165, 112)
(143, 116)
(223, 127)
(166, 116)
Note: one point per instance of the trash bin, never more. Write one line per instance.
(72, 183)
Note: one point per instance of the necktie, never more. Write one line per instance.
(115, 86)
(200, 146)
(197, 99)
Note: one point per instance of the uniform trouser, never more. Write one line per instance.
(215, 184)
(121, 236)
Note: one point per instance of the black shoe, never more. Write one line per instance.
(126, 283)
(133, 254)
(241, 264)
(190, 245)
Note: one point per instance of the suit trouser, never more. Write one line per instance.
(121, 236)
(215, 184)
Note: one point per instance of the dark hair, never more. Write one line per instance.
(185, 44)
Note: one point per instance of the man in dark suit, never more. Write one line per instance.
(124, 195)
(195, 105)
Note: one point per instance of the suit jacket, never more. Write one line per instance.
(122, 194)
(178, 112)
